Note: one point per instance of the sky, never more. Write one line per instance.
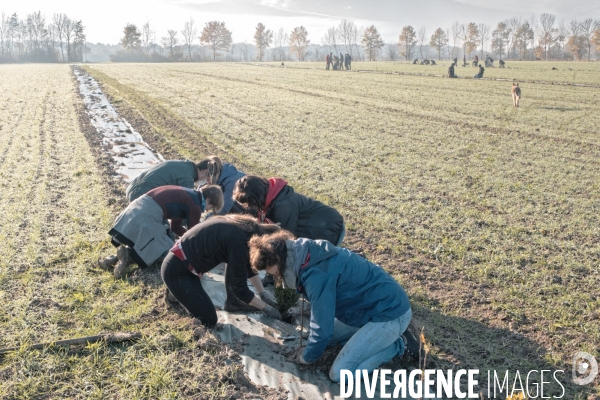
(104, 20)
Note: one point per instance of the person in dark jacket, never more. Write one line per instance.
(139, 231)
(353, 301)
(203, 247)
(480, 73)
(276, 201)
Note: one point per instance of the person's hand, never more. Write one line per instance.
(271, 312)
(268, 298)
(298, 357)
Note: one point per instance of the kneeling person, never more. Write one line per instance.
(354, 302)
(139, 231)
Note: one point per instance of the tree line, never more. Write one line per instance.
(34, 39)
(542, 38)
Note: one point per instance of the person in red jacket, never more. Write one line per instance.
(139, 232)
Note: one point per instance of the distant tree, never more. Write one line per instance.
(547, 34)
(500, 39)
(421, 37)
(512, 27)
(263, 38)
(576, 42)
(561, 37)
(523, 35)
(131, 38)
(148, 37)
(347, 31)
(484, 36)
(372, 42)
(407, 41)
(280, 39)
(299, 42)
(189, 33)
(596, 39)
(170, 42)
(587, 28)
(217, 36)
(473, 36)
(78, 41)
(438, 40)
(456, 34)
(391, 51)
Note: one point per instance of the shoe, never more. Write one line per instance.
(412, 346)
(232, 304)
(124, 261)
(107, 263)
(170, 299)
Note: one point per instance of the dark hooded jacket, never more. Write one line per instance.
(214, 241)
(301, 215)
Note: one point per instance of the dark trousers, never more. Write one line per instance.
(187, 289)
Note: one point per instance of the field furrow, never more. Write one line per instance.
(486, 213)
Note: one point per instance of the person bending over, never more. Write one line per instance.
(354, 302)
(220, 239)
(139, 232)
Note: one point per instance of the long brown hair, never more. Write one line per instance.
(215, 195)
(250, 225)
(214, 166)
(251, 190)
(269, 250)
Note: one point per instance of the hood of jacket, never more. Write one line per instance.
(304, 253)
(275, 186)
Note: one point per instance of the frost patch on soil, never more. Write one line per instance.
(131, 154)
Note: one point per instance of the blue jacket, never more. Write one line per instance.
(343, 285)
(227, 180)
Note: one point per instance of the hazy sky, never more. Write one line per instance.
(104, 20)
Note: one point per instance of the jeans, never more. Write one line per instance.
(187, 289)
(369, 346)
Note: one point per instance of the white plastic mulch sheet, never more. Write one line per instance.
(131, 154)
(263, 351)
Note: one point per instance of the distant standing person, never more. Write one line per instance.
(327, 61)
(451, 73)
(341, 61)
(464, 60)
(139, 232)
(349, 60)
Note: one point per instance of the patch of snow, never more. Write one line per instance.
(127, 148)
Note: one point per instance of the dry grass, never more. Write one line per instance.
(55, 206)
(486, 214)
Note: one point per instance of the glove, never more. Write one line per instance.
(268, 298)
(271, 312)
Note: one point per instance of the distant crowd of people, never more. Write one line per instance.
(489, 63)
(338, 63)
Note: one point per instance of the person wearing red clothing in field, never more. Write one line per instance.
(139, 232)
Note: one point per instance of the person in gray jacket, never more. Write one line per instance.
(185, 173)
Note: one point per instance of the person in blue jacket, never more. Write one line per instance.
(185, 173)
(353, 301)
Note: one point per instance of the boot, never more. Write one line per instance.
(124, 261)
(232, 303)
(107, 263)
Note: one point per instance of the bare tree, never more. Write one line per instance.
(587, 28)
(59, 26)
(189, 33)
(330, 39)
(280, 39)
(438, 41)
(576, 43)
(407, 40)
(561, 37)
(170, 42)
(512, 27)
(346, 32)
(548, 33)
(263, 38)
(391, 51)
(148, 37)
(299, 42)
(217, 36)
(372, 42)
(68, 33)
(422, 37)
(456, 34)
(484, 36)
